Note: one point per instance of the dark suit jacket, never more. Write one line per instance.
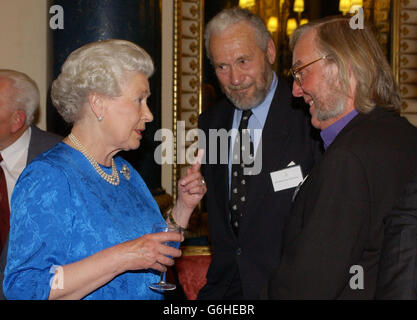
(337, 219)
(285, 138)
(40, 141)
(398, 266)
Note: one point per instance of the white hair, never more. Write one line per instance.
(26, 95)
(231, 16)
(99, 67)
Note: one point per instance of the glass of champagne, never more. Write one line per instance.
(163, 227)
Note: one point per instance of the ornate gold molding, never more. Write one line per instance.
(404, 54)
(196, 251)
(188, 53)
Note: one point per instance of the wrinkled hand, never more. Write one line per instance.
(192, 187)
(150, 252)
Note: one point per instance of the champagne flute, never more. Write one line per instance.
(163, 227)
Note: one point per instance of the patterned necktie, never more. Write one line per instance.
(4, 208)
(242, 157)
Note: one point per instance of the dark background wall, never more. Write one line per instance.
(138, 21)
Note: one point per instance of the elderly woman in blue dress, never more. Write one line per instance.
(82, 217)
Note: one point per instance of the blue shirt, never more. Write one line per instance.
(63, 211)
(330, 133)
(256, 122)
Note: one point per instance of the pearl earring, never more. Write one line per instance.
(99, 118)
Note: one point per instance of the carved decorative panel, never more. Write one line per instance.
(188, 28)
(404, 55)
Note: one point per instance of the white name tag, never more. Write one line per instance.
(286, 178)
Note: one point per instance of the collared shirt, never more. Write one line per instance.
(330, 133)
(14, 160)
(256, 122)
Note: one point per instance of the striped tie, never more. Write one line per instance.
(4, 208)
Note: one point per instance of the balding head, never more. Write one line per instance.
(19, 100)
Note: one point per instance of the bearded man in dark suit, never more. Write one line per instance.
(247, 208)
(334, 235)
(20, 141)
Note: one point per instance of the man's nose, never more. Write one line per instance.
(297, 90)
(236, 76)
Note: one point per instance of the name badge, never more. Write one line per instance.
(286, 178)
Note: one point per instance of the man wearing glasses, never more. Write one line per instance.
(334, 234)
(246, 212)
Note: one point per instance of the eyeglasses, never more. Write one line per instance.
(296, 71)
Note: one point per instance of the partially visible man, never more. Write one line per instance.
(334, 234)
(397, 277)
(20, 141)
(246, 212)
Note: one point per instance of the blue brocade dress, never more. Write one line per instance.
(63, 211)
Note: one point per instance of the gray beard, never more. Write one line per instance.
(335, 103)
(338, 109)
(241, 104)
(259, 96)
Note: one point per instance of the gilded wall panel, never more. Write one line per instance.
(404, 54)
(188, 24)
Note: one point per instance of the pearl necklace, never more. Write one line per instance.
(113, 178)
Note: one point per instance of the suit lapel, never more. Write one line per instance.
(221, 171)
(40, 141)
(33, 144)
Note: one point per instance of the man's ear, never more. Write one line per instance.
(96, 104)
(271, 51)
(18, 120)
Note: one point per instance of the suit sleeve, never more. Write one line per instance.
(397, 277)
(325, 231)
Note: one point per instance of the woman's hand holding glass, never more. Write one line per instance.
(162, 227)
(151, 251)
(146, 252)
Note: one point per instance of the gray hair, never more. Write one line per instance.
(359, 50)
(229, 17)
(26, 96)
(99, 67)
